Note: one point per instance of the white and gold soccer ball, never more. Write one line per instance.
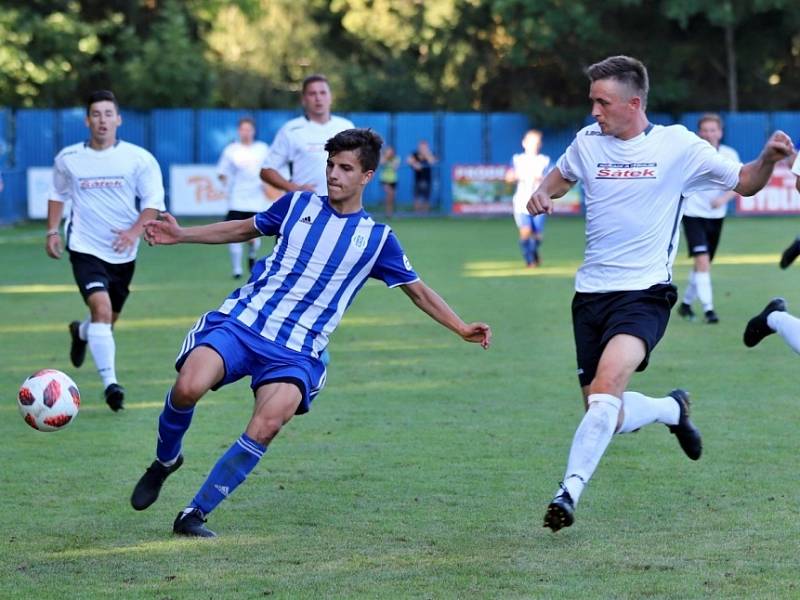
(48, 400)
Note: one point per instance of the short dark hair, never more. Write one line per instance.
(624, 69)
(313, 79)
(246, 119)
(101, 96)
(709, 117)
(365, 142)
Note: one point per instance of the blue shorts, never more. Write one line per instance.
(535, 224)
(244, 352)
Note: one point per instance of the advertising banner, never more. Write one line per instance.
(39, 181)
(195, 191)
(779, 196)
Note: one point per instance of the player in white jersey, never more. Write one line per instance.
(703, 216)
(275, 328)
(238, 169)
(529, 169)
(634, 175)
(113, 187)
(793, 250)
(300, 144)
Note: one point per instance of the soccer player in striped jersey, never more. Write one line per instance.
(102, 178)
(276, 327)
(634, 175)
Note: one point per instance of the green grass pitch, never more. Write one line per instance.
(425, 466)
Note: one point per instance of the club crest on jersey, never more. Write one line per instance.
(627, 171)
(359, 240)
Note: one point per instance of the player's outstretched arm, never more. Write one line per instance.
(553, 186)
(755, 174)
(166, 231)
(432, 303)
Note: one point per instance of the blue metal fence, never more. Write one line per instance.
(31, 138)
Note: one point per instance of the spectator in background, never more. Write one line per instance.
(421, 160)
(390, 162)
(238, 169)
(703, 214)
(529, 169)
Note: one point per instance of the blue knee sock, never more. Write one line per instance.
(525, 248)
(534, 243)
(230, 470)
(172, 424)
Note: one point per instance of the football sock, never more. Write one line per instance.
(83, 329)
(230, 470)
(527, 253)
(640, 410)
(787, 326)
(236, 258)
(101, 345)
(590, 442)
(535, 249)
(691, 290)
(702, 281)
(255, 244)
(172, 425)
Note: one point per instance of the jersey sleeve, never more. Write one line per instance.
(60, 188)
(393, 266)
(796, 165)
(280, 151)
(269, 222)
(706, 168)
(150, 185)
(570, 164)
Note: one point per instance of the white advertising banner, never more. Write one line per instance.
(39, 181)
(194, 190)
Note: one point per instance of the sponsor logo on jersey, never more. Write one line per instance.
(626, 171)
(97, 183)
(306, 220)
(593, 132)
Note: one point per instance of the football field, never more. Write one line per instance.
(425, 466)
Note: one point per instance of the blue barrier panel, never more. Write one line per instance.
(135, 128)
(788, 122)
(268, 122)
(462, 143)
(410, 128)
(173, 138)
(13, 198)
(36, 143)
(71, 127)
(6, 146)
(505, 132)
(216, 128)
(381, 123)
(555, 142)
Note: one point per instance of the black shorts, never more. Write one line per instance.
(596, 318)
(702, 235)
(93, 274)
(239, 215)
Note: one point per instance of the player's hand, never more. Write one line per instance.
(53, 245)
(125, 240)
(540, 203)
(162, 232)
(778, 146)
(477, 333)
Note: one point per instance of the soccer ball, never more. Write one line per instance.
(48, 400)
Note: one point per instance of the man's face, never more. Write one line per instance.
(346, 178)
(102, 121)
(613, 106)
(247, 133)
(711, 132)
(317, 99)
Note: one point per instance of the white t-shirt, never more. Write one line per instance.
(796, 166)
(633, 192)
(698, 204)
(301, 143)
(103, 187)
(530, 169)
(241, 166)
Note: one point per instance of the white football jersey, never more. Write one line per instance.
(796, 165)
(698, 204)
(241, 166)
(301, 143)
(633, 191)
(530, 169)
(103, 186)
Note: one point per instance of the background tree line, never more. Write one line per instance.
(394, 55)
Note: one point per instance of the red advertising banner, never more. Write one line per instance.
(779, 196)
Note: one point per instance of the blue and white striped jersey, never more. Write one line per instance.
(297, 297)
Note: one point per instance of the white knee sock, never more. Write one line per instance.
(590, 442)
(640, 410)
(691, 290)
(703, 283)
(83, 329)
(254, 246)
(787, 326)
(101, 345)
(236, 258)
